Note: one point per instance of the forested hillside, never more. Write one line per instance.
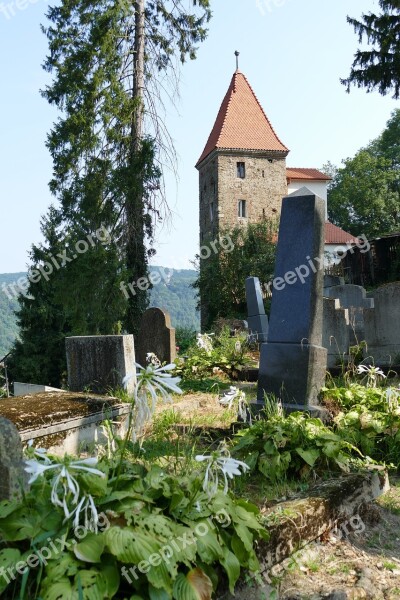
(174, 293)
(8, 326)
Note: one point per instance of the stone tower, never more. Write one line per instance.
(242, 169)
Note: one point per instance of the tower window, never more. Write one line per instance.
(211, 211)
(242, 209)
(241, 170)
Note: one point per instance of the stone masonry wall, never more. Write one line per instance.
(263, 189)
(220, 189)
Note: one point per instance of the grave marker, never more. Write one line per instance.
(12, 475)
(156, 335)
(293, 361)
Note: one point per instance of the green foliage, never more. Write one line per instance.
(191, 539)
(378, 67)
(106, 171)
(185, 338)
(221, 280)
(206, 385)
(8, 306)
(175, 294)
(364, 197)
(297, 445)
(227, 354)
(369, 419)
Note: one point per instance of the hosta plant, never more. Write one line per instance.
(108, 527)
(293, 446)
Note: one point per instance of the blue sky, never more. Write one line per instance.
(293, 54)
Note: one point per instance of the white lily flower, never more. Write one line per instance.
(204, 342)
(87, 507)
(65, 487)
(151, 380)
(220, 461)
(372, 374)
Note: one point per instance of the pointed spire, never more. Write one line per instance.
(237, 60)
(241, 123)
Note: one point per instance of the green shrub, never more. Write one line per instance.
(293, 446)
(224, 354)
(144, 511)
(369, 418)
(185, 338)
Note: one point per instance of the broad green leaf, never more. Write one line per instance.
(8, 559)
(7, 507)
(239, 550)
(61, 590)
(196, 585)
(232, 568)
(310, 456)
(208, 546)
(90, 548)
(156, 594)
(133, 546)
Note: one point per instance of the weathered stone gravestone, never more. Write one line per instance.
(293, 361)
(354, 298)
(12, 475)
(257, 319)
(336, 331)
(156, 335)
(100, 362)
(331, 281)
(382, 325)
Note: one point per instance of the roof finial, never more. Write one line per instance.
(237, 60)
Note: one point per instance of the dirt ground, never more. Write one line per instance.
(352, 562)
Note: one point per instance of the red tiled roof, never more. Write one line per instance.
(335, 235)
(241, 123)
(293, 173)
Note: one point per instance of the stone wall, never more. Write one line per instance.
(382, 325)
(354, 298)
(220, 190)
(335, 331)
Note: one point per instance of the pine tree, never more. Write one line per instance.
(106, 57)
(379, 67)
(109, 60)
(39, 354)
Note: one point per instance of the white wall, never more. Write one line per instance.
(320, 188)
(333, 254)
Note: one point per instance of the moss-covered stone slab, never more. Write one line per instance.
(297, 522)
(61, 421)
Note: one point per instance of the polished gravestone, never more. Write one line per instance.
(293, 361)
(257, 319)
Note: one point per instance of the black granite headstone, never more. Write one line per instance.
(293, 361)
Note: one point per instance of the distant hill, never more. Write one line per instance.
(174, 293)
(8, 325)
